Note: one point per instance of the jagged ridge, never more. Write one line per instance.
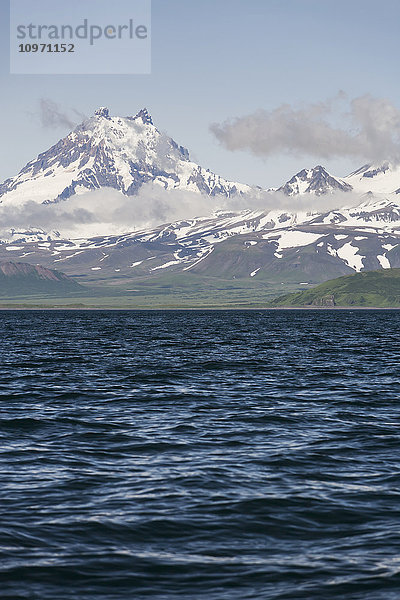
(117, 152)
(314, 181)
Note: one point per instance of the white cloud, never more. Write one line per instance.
(364, 127)
(107, 211)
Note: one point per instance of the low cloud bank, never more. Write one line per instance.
(107, 211)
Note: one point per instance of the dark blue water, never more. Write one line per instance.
(216, 455)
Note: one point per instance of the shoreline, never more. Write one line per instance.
(191, 309)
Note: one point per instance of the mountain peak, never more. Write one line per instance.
(313, 181)
(123, 153)
(145, 116)
(102, 111)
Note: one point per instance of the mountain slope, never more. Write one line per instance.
(26, 279)
(270, 246)
(380, 178)
(115, 152)
(368, 289)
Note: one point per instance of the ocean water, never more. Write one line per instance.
(218, 455)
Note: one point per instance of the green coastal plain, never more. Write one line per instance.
(369, 289)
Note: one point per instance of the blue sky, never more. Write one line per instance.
(215, 59)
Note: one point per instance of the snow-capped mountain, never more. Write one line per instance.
(300, 248)
(114, 152)
(314, 181)
(278, 245)
(273, 246)
(380, 179)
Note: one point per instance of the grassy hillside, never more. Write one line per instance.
(370, 288)
(17, 279)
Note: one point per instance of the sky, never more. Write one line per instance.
(214, 60)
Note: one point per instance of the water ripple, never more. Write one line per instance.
(190, 455)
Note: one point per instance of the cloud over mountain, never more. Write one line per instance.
(107, 211)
